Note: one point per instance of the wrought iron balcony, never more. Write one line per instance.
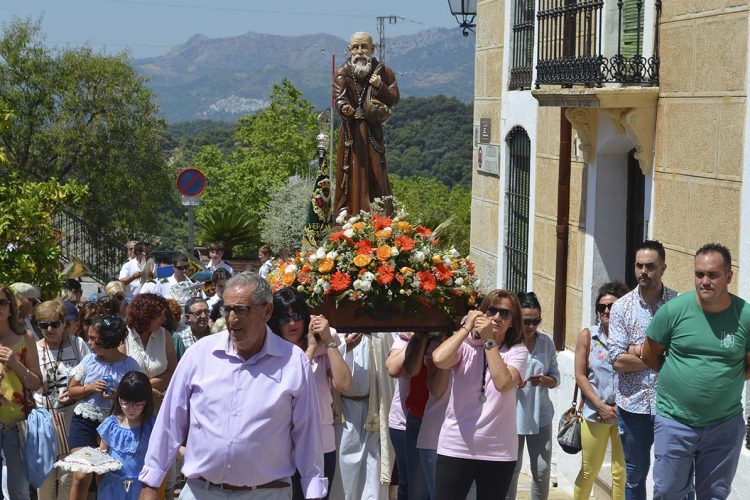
(593, 42)
(522, 62)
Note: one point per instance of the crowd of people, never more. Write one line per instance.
(244, 392)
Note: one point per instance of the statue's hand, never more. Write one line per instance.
(375, 81)
(347, 111)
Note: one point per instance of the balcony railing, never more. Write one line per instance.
(575, 47)
(522, 63)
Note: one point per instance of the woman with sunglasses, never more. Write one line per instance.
(59, 353)
(291, 321)
(534, 410)
(478, 440)
(86, 314)
(93, 383)
(596, 379)
(19, 367)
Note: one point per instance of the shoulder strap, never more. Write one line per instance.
(588, 351)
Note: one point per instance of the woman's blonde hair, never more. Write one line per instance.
(514, 335)
(114, 287)
(148, 271)
(15, 319)
(51, 308)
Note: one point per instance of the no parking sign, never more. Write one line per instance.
(191, 182)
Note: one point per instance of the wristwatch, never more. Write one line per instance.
(489, 344)
(332, 345)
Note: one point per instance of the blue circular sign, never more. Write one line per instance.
(191, 182)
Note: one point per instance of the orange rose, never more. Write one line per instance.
(406, 270)
(358, 226)
(384, 252)
(384, 234)
(288, 279)
(437, 259)
(402, 225)
(325, 266)
(362, 260)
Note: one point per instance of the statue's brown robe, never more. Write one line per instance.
(361, 145)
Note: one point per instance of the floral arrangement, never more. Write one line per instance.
(381, 261)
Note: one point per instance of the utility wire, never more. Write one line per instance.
(239, 9)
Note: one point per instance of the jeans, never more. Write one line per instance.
(428, 459)
(417, 486)
(714, 451)
(540, 457)
(398, 440)
(637, 436)
(18, 486)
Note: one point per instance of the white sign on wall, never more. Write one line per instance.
(488, 158)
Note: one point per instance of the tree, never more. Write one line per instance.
(431, 202)
(273, 145)
(284, 219)
(85, 117)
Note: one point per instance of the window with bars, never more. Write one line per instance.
(522, 60)
(517, 203)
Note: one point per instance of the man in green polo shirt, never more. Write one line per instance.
(699, 343)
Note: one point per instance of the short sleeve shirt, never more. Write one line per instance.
(701, 380)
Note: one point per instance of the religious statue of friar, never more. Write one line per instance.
(364, 90)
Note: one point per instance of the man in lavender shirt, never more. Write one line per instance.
(244, 402)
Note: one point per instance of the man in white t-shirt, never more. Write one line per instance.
(216, 253)
(131, 271)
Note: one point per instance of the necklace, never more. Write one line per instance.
(482, 396)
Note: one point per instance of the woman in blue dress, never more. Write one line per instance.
(125, 436)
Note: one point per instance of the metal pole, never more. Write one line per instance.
(191, 228)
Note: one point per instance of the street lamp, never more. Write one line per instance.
(467, 10)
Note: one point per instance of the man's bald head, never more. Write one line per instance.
(360, 36)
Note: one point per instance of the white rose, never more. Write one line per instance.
(346, 226)
(326, 286)
(454, 253)
(291, 268)
(341, 217)
(312, 258)
(459, 281)
(332, 255)
(357, 284)
(394, 251)
(349, 233)
(446, 260)
(368, 276)
(320, 253)
(320, 282)
(419, 256)
(365, 285)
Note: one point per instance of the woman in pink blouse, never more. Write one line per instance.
(478, 440)
(291, 321)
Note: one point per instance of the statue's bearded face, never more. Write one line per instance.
(360, 55)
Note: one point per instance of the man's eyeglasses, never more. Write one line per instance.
(600, 308)
(43, 325)
(130, 404)
(240, 311)
(201, 312)
(181, 268)
(532, 321)
(286, 319)
(492, 311)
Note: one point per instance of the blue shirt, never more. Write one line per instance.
(601, 375)
(628, 320)
(91, 369)
(534, 409)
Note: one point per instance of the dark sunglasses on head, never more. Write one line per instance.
(295, 316)
(181, 268)
(600, 308)
(492, 311)
(43, 325)
(532, 321)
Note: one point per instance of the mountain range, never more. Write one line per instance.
(224, 78)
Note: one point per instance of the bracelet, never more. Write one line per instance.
(332, 345)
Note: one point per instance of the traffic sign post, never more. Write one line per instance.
(191, 183)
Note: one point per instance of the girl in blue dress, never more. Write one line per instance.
(125, 434)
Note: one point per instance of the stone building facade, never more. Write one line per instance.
(658, 150)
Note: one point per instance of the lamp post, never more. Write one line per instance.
(464, 11)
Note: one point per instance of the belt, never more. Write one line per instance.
(230, 487)
(356, 398)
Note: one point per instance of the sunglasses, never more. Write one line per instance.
(295, 316)
(129, 404)
(600, 308)
(181, 268)
(43, 325)
(492, 311)
(532, 321)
